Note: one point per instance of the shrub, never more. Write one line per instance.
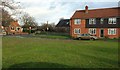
(106, 37)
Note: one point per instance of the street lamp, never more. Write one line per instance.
(1, 30)
(47, 28)
(2, 27)
(30, 29)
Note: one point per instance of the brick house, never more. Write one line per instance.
(104, 22)
(8, 25)
(12, 28)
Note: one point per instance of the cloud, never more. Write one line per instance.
(53, 10)
(67, 1)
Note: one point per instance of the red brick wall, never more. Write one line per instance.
(81, 26)
(119, 32)
(85, 30)
(106, 33)
(113, 36)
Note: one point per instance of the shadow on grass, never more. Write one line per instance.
(36, 65)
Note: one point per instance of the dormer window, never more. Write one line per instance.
(92, 21)
(17, 28)
(12, 28)
(67, 23)
(101, 21)
(112, 21)
(77, 21)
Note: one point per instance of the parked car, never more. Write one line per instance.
(3, 32)
(86, 36)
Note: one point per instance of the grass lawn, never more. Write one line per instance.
(53, 36)
(52, 53)
(0, 52)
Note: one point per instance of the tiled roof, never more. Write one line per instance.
(97, 13)
(14, 23)
(63, 23)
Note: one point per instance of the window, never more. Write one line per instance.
(101, 21)
(92, 21)
(77, 21)
(67, 23)
(92, 31)
(82, 34)
(112, 21)
(76, 31)
(17, 28)
(12, 28)
(112, 31)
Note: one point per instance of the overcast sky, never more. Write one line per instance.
(53, 10)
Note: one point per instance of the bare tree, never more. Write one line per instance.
(15, 9)
(28, 21)
(5, 19)
(51, 27)
(8, 8)
(10, 4)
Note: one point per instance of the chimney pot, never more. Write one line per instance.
(86, 9)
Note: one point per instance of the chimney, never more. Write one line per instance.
(15, 20)
(86, 9)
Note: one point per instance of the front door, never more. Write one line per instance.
(101, 32)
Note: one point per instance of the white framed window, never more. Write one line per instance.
(92, 31)
(112, 21)
(77, 31)
(101, 21)
(17, 28)
(112, 31)
(92, 21)
(77, 21)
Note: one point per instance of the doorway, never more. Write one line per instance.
(101, 32)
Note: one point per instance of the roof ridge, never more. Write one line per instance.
(98, 9)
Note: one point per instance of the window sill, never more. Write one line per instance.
(113, 34)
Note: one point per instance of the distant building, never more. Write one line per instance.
(12, 28)
(63, 26)
(103, 22)
(8, 25)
